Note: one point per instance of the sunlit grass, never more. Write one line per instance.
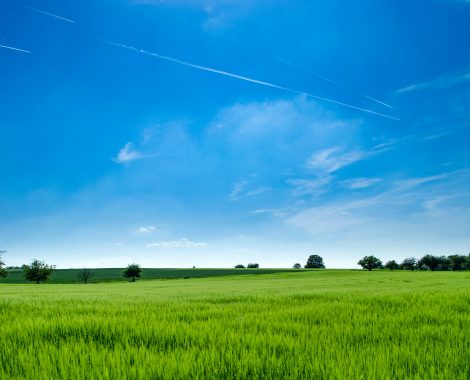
(318, 324)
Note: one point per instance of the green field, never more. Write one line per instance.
(327, 324)
(70, 276)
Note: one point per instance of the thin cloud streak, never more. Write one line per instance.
(221, 72)
(15, 49)
(43, 12)
(438, 83)
(331, 81)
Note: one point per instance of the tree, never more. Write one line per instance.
(444, 263)
(3, 271)
(370, 262)
(410, 263)
(457, 262)
(239, 266)
(315, 261)
(392, 265)
(132, 271)
(85, 275)
(253, 265)
(37, 271)
(430, 261)
(297, 266)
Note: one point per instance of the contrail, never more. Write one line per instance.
(332, 81)
(221, 72)
(43, 12)
(13, 48)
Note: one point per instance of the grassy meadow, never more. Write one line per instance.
(325, 324)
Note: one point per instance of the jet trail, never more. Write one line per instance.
(43, 12)
(292, 64)
(13, 48)
(332, 81)
(221, 72)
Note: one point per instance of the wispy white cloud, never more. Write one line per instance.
(145, 229)
(438, 83)
(276, 212)
(335, 158)
(332, 159)
(360, 183)
(127, 154)
(182, 243)
(245, 189)
(237, 189)
(417, 181)
(316, 186)
(412, 197)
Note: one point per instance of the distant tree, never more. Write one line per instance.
(315, 261)
(37, 271)
(457, 262)
(239, 266)
(252, 265)
(3, 271)
(430, 261)
(297, 266)
(85, 275)
(410, 263)
(392, 265)
(444, 263)
(370, 262)
(132, 271)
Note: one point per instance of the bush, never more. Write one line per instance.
(297, 266)
(239, 266)
(252, 265)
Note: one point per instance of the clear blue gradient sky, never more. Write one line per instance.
(111, 154)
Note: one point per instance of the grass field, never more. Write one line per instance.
(308, 325)
(70, 276)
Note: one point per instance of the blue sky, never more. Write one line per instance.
(120, 143)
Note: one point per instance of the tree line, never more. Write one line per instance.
(427, 262)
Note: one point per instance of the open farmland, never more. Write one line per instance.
(317, 324)
(70, 276)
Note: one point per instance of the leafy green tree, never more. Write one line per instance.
(132, 271)
(85, 275)
(38, 271)
(370, 262)
(430, 261)
(314, 261)
(444, 263)
(457, 262)
(3, 271)
(410, 263)
(392, 265)
(253, 265)
(297, 266)
(239, 266)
